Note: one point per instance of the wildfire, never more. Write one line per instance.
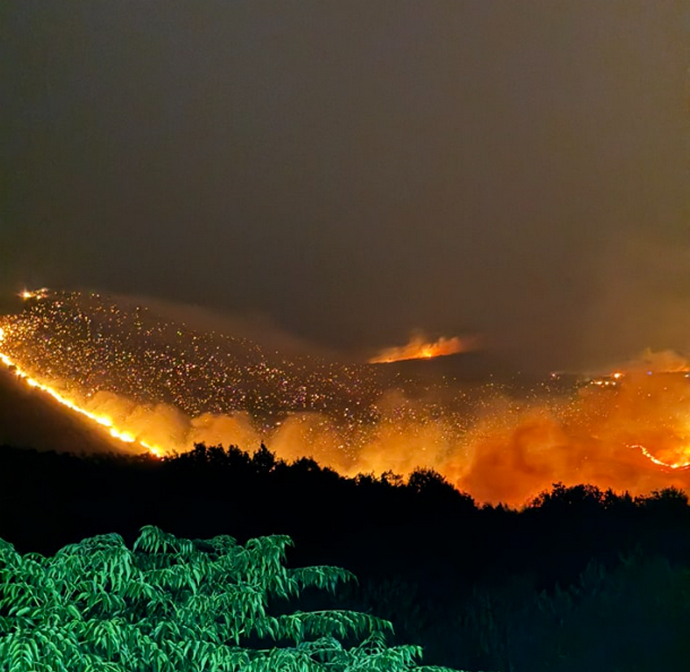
(103, 420)
(155, 383)
(670, 465)
(34, 294)
(418, 348)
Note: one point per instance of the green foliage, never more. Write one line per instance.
(173, 605)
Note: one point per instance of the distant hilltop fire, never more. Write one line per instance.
(34, 294)
(419, 348)
(163, 385)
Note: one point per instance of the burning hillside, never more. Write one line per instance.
(163, 385)
(420, 348)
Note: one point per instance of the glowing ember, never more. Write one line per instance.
(103, 420)
(417, 348)
(35, 294)
(159, 384)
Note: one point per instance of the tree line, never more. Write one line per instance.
(579, 578)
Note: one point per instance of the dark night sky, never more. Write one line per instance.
(353, 170)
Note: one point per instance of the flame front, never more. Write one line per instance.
(164, 387)
(419, 348)
(682, 464)
(103, 420)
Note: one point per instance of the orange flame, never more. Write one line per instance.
(34, 294)
(628, 430)
(670, 465)
(418, 348)
(103, 420)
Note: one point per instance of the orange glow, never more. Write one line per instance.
(418, 348)
(103, 420)
(633, 435)
(34, 294)
(627, 430)
(670, 465)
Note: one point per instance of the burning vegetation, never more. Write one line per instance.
(163, 386)
(420, 348)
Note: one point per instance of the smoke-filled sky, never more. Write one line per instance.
(353, 171)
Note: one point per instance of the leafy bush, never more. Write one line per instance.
(173, 605)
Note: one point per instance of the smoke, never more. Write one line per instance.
(595, 436)
(641, 301)
(259, 328)
(628, 431)
(419, 347)
(508, 449)
(665, 361)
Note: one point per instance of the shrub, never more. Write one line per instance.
(174, 605)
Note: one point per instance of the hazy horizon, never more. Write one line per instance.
(349, 174)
